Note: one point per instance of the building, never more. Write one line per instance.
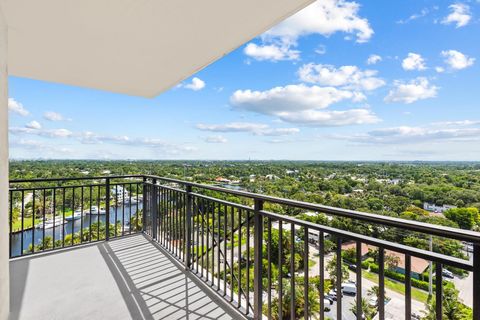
(437, 209)
(418, 265)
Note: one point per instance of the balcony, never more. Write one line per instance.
(147, 247)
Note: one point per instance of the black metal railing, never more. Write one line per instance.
(263, 263)
(48, 214)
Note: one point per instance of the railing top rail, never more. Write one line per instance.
(437, 230)
(347, 235)
(78, 178)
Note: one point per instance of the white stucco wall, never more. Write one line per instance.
(4, 272)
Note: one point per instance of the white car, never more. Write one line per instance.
(349, 289)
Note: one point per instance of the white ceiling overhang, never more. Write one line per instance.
(136, 47)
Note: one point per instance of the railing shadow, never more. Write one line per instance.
(156, 286)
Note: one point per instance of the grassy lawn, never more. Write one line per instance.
(396, 286)
(27, 222)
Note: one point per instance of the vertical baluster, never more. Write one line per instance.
(43, 217)
(33, 221)
(476, 281)
(10, 224)
(358, 272)
(123, 209)
(63, 216)
(239, 278)
(321, 272)
(438, 290)
(305, 273)
(269, 268)
(188, 227)
(232, 246)
(218, 244)
(211, 230)
(130, 208)
(81, 213)
(247, 282)
(207, 222)
(258, 258)
(280, 269)
(292, 273)
(225, 222)
(381, 283)
(90, 216)
(73, 215)
(98, 212)
(116, 210)
(408, 287)
(107, 209)
(339, 277)
(137, 213)
(202, 249)
(23, 222)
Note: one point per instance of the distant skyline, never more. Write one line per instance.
(340, 80)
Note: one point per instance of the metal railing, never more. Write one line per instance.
(48, 214)
(257, 260)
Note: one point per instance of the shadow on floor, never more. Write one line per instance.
(156, 286)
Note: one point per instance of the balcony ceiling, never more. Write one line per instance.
(136, 47)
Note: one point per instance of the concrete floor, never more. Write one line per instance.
(127, 278)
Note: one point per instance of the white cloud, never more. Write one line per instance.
(413, 61)
(48, 133)
(291, 98)
(409, 92)
(16, 107)
(54, 116)
(459, 15)
(420, 134)
(157, 144)
(41, 148)
(301, 104)
(440, 69)
(457, 60)
(216, 139)
(374, 59)
(321, 49)
(196, 84)
(258, 129)
(349, 77)
(33, 125)
(271, 52)
(324, 17)
(415, 16)
(330, 118)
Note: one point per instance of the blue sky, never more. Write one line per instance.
(340, 80)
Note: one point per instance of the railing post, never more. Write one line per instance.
(258, 259)
(154, 208)
(188, 228)
(145, 205)
(476, 281)
(107, 209)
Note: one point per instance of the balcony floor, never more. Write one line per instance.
(126, 278)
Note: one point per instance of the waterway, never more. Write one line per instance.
(35, 236)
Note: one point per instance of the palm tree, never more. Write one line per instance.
(313, 302)
(375, 292)
(367, 311)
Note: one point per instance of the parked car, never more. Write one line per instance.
(447, 273)
(333, 294)
(349, 289)
(352, 267)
